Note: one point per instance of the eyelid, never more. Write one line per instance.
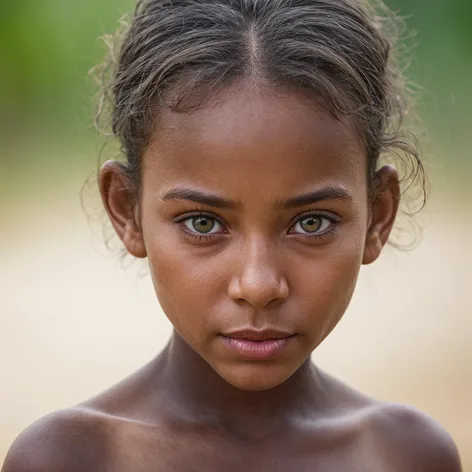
(332, 217)
(193, 214)
(321, 213)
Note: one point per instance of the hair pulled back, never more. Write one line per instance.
(176, 53)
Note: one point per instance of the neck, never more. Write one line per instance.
(198, 394)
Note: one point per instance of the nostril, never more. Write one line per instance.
(258, 292)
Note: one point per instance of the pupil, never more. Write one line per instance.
(311, 224)
(203, 224)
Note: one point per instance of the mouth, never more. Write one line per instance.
(257, 344)
(259, 335)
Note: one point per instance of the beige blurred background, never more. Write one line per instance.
(73, 321)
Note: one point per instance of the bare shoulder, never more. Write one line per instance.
(411, 440)
(74, 439)
(393, 436)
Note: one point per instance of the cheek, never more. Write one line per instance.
(325, 284)
(187, 282)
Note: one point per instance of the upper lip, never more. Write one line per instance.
(258, 334)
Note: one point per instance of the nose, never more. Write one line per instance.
(258, 278)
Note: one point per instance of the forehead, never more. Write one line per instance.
(247, 144)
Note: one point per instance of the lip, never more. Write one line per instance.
(257, 345)
(258, 335)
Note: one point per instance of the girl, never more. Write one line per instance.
(256, 136)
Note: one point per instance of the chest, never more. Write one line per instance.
(215, 453)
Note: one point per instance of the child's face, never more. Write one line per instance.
(248, 255)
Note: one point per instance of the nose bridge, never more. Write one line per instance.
(259, 259)
(259, 277)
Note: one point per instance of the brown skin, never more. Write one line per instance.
(197, 406)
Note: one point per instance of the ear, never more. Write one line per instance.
(383, 212)
(119, 203)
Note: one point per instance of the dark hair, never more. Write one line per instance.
(174, 53)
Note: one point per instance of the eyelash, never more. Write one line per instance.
(331, 217)
(334, 220)
(198, 237)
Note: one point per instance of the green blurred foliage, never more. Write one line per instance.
(442, 68)
(47, 48)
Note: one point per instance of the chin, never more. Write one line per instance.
(255, 377)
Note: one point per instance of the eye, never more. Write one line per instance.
(312, 225)
(202, 224)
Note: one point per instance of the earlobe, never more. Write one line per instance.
(120, 206)
(372, 250)
(383, 212)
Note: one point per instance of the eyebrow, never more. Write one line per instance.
(327, 193)
(200, 197)
(197, 196)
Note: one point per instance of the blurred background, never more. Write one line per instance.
(73, 321)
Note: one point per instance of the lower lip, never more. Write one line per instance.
(256, 350)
